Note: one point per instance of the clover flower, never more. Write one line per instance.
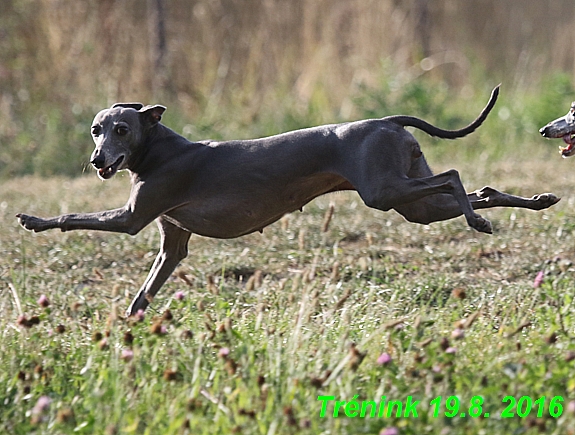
(538, 279)
(43, 301)
(127, 355)
(384, 359)
(40, 409)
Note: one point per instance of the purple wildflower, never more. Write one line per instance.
(127, 354)
(538, 279)
(224, 352)
(384, 359)
(43, 301)
(40, 408)
(458, 333)
(140, 314)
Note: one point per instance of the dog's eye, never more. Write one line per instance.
(95, 130)
(121, 131)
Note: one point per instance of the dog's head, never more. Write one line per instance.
(563, 128)
(117, 132)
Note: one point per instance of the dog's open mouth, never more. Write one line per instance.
(569, 150)
(109, 171)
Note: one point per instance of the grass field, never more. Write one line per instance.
(249, 332)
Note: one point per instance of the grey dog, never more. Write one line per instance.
(229, 189)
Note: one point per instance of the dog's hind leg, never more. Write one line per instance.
(410, 195)
(442, 207)
(173, 249)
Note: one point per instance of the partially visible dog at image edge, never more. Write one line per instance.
(563, 128)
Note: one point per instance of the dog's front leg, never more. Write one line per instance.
(120, 220)
(173, 249)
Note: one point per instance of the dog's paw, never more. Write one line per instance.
(139, 304)
(31, 223)
(544, 200)
(481, 224)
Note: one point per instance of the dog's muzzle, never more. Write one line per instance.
(106, 172)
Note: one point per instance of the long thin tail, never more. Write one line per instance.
(412, 121)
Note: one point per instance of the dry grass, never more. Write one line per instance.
(223, 50)
(227, 65)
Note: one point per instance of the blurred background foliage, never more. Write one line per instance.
(247, 68)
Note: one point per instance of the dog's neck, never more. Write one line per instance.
(142, 158)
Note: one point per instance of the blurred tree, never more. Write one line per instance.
(158, 47)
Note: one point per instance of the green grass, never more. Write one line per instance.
(301, 331)
(270, 322)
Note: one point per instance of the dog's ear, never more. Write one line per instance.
(152, 114)
(136, 106)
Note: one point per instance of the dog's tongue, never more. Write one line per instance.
(566, 151)
(105, 172)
